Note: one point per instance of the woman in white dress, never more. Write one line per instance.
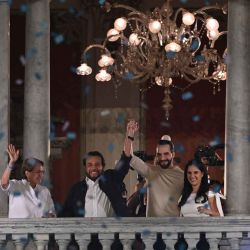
(197, 199)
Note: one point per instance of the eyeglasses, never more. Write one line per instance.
(38, 172)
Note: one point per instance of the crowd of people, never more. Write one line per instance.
(163, 190)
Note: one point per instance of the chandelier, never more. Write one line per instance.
(161, 47)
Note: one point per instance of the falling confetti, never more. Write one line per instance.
(111, 147)
(120, 118)
(71, 135)
(19, 82)
(65, 125)
(229, 156)
(196, 118)
(1, 135)
(187, 96)
(105, 112)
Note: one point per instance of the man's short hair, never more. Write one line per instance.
(166, 140)
(29, 164)
(91, 154)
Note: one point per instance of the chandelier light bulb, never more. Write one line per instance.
(188, 18)
(120, 24)
(113, 35)
(105, 61)
(83, 69)
(173, 47)
(212, 24)
(103, 76)
(213, 34)
(133, 39)
(154, 26)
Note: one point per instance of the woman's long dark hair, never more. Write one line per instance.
(187, 189)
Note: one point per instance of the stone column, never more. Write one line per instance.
(37, 81)
(4, 93)
(237, 109)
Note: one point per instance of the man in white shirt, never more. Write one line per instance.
(100, 194)
(27, 198)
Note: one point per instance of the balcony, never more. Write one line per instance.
(169, 233)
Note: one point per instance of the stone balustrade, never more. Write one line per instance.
(132, 233)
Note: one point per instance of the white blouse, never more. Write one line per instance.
(190, 208)
(26, 202)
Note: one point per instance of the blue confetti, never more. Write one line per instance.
(184, 1)
(229, 156)
(120, 118)
(10, 2)
(217, 187)
(111, 147)
(1, 135)
(24, 8)
(102, 2)
(187, 96)
(146, 232)
(81, 212)
(38, 76)
(128, 76)
(59, 39)
(52, 136)
(216, 140)
(31, 53)
(71, 135)
(17, 193)
(179, 148)
(196, 118)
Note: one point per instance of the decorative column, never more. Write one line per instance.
(4, 94)
(237, 109)
(37, 81)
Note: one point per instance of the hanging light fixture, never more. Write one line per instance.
(160, 47)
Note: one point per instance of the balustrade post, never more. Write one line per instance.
(106, 240)
(62, 240)
(41, 240)
(148, 239)
(234, 239)
(245, 242)
(83, 240)
(127, 240)
(20, 240)
(192, 239)
(213, 240)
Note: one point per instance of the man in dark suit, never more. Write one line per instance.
(100, 194)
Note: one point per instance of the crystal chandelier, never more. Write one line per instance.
(161, 47)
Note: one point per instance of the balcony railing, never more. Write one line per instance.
(134, 233)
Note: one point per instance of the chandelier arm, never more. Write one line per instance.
(95, 46)
(205, 8)
(126, 7)
(219, 35)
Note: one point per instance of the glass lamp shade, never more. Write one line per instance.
(133, 39)
(113, 35)
(173, 47)
(83, 69)
(120, 24)
(105, 61)
(213, 34)
(188, 18)
(212, 24)
(154, 26)
(103, 76)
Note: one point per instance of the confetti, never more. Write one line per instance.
(111, 147)
(71, 135)
(19, 82)
(120, 118)
(196, 118)
(105, 112)
(187, 96)
(59, 38)
(65, 125)
(1, 135)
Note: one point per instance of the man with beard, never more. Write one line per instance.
(100, 194)
(165, 180)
